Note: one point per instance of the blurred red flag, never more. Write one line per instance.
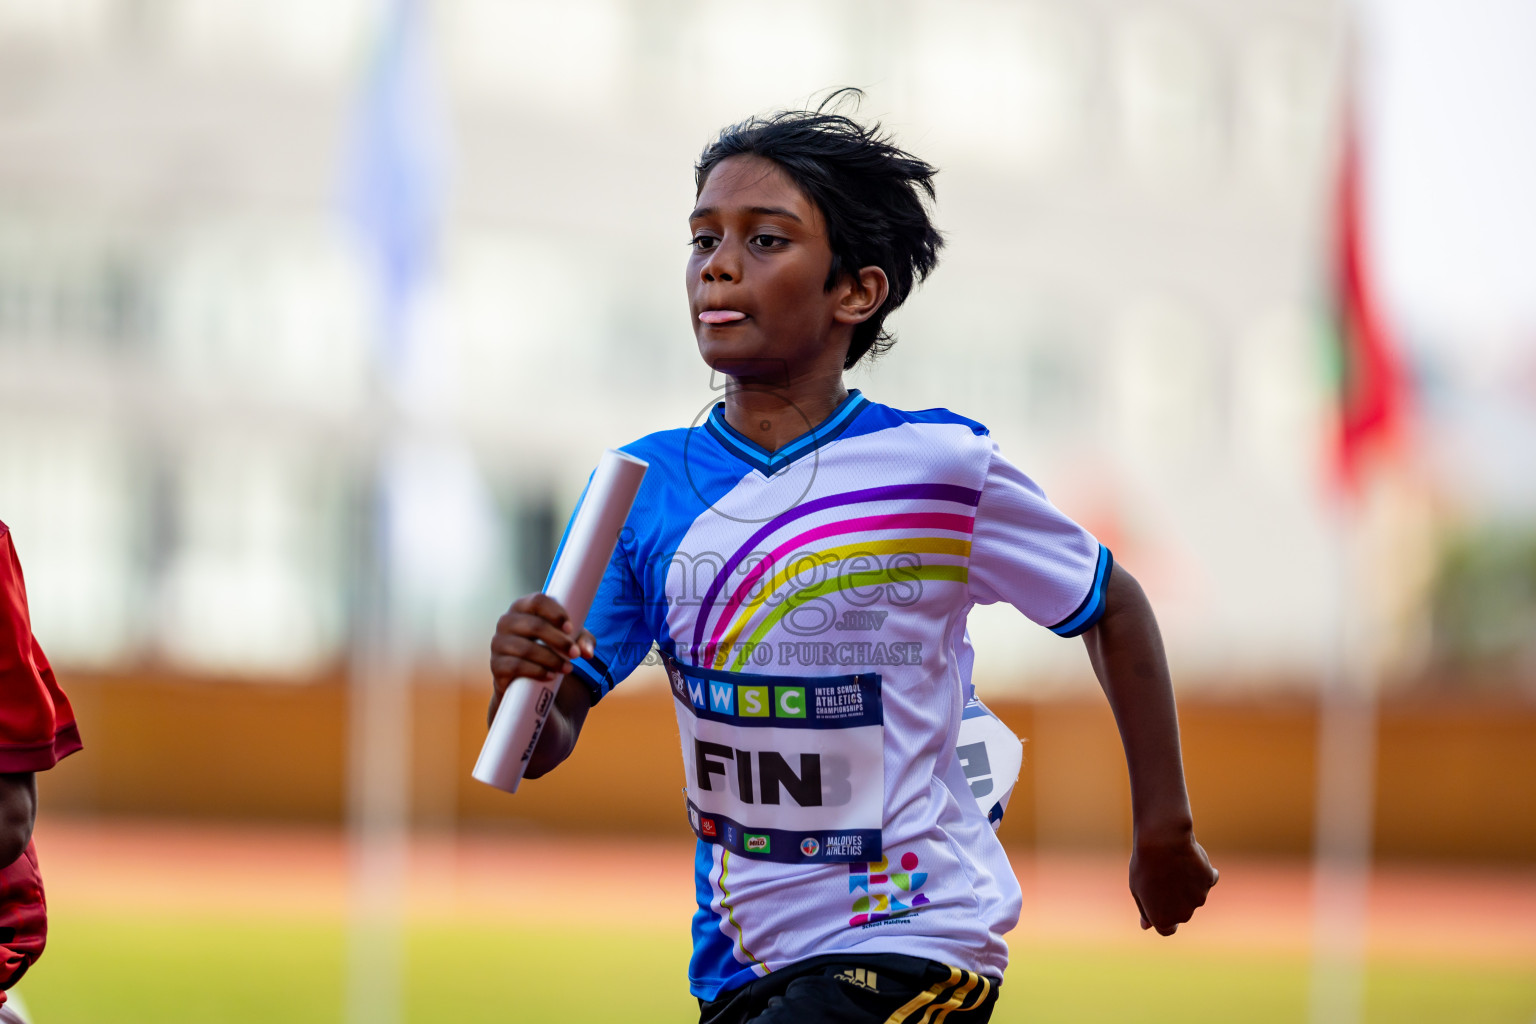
(1368, 369)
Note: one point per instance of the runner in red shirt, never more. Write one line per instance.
(37, 730)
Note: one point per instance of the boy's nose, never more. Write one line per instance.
(722, 265)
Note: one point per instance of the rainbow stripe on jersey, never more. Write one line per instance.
(767, 590)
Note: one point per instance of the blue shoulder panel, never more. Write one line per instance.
(687, 473)
(882, 417)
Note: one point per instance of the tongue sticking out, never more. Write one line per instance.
(721, 316)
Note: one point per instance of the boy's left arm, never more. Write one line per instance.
(1170, 873)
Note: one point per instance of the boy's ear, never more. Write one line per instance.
(861, 295)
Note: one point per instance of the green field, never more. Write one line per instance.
(121, 969)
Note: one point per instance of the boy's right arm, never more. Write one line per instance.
(535, 640)
(18, 812)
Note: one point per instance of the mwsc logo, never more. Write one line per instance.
(743, 700)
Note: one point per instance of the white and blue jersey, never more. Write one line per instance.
(810, 607)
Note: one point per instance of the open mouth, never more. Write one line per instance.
(721, 316)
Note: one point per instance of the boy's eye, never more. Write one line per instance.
(704, 243)
(769, 241)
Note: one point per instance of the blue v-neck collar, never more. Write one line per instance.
(769, 463)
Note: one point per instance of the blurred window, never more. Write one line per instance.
(536, 526)
(520, 309)
(447, 548)
(62, 290)
(255, 579)
(728, 44)
(67, 493)
(276, 313)
(1279, 395)
(1167, 387)
(521, 51)
(300, 37)
(1059, 397)
(1003, 81)
(57, 22)
(1285, 101)
(1169, 87)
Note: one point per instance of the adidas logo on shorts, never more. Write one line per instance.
(860, 976)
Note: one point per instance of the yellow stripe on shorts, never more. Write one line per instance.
(936, 1014)
(922, 999)
(986, 990)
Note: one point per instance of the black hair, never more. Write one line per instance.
(869, 191)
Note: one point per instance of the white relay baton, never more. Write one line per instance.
(574, 582)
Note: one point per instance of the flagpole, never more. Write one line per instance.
(1369, 408)
(393, 198)
(1345, 791)
(378, 784)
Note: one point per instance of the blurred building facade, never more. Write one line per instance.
(1135, 196)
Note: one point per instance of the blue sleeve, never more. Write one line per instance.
(615, 620)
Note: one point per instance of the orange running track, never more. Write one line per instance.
(1459, 913)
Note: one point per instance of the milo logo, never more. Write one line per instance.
(756, 843)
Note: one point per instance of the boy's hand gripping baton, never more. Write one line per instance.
(578, 571)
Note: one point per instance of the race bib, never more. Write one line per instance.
(991, 756)
(783, 768)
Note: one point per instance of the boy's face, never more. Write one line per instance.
(756, 276)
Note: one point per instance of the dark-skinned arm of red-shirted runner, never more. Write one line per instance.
(18, 812)
(1170, 873)
(535, 640)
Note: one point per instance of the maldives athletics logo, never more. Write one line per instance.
(887, 894)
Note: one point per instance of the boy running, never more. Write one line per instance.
(37, 730)
(804, 560)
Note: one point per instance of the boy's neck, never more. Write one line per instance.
(775, 413)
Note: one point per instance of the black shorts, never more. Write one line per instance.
(880, 988)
